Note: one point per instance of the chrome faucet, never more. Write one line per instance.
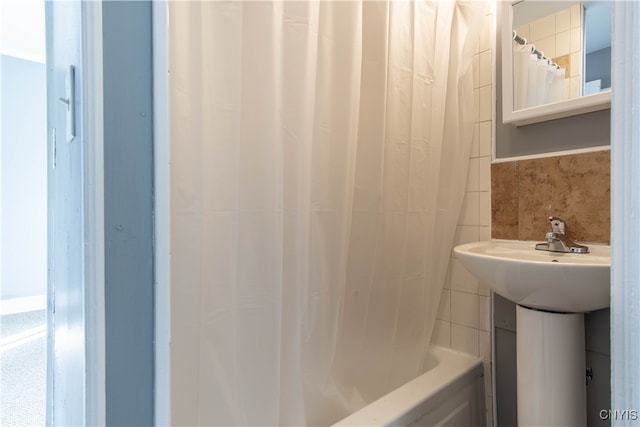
(557, 240)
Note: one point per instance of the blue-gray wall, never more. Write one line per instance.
(128, 157)
(24, 178)
(598, 66)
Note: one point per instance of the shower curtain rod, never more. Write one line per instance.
(523, 41)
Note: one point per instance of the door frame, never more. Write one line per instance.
(89, 71)
(92, 113)
(94, 275)
(117, 282)
(162, 234)
(625, 206)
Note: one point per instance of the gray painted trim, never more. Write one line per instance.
(128, 188)
(67, 236)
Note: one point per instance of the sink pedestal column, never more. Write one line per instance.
(551, 368)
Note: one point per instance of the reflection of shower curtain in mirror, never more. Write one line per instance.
(535, 81)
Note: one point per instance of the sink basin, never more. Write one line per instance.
(560, 282)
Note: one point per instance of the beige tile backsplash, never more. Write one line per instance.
(575, 188)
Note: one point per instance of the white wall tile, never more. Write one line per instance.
(488, 388)
(547, 46)
(464, 309)
(483, 289)
(475, 145)
(563, 20)
(576, 40)
(575, 62)
(465, 234)
(444, 311)
(441, 333)
(447, 277)
(464, 339)
(563, 43)
(485, 33)
(473, 176)
(486, 69)
(485, 138)
(484, 233)
(468, 310)
(461, 279)
(484, 345)
(484, 313)
(484, 174)
(484, 215)
(489, 406)
(574, 87)
(486, 103)
(576, 15)
(476, 105)
(476, 71)
(523, 31)
(542, 28)
(470, 212)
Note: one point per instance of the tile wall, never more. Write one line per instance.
(463, 321)
(574, 187)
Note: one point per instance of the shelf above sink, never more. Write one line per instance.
(559, 282)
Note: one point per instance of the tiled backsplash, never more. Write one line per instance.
(575, 188)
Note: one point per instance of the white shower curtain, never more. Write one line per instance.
(319, 157)
(536, 81)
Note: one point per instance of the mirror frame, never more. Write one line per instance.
(541, 113)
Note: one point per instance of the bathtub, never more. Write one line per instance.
(449, 393)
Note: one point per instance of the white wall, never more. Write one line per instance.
(22, 29)
(24, 178)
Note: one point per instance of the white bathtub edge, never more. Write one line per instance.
(386, 411)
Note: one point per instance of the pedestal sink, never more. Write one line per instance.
(553, 291)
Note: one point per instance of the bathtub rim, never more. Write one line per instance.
(453, 366)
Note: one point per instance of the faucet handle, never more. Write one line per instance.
(557, 224)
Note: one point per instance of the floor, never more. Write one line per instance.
(23, 368)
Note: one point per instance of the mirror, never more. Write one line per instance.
(556, 59)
